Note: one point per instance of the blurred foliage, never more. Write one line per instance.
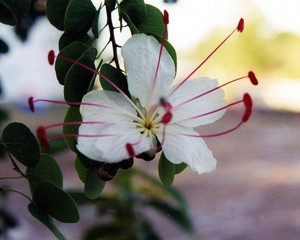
(258, 47)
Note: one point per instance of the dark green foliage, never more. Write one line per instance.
(12, 10)
(22, 144)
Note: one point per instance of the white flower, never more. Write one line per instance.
(156, 111)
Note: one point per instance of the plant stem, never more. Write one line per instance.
(15, 191)
(112, 36)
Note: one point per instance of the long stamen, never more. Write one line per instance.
(239, 28)
(31, 102)
(248, 110)
(52, 54)
(250, 75)
(166, 22)
(211, 112)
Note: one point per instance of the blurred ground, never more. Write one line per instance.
(254, 194)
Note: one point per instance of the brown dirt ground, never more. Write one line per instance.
(254, 194)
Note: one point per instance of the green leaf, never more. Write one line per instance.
(166, 170)
(116, 76)
(53, 200)
(180, 167)
(55, 11)
(79, 16)
(130, 24)
(46, 170)
(153, 23)
(12, 10)
(169, 191)
(80, 169)
(93, 184)
(68, 38)
(78, 79)
(45, 219)
(95, 24)
(73, 51)
(134, 9)
(171, 50)
(177, 215)
(22, 144)
(73, 115)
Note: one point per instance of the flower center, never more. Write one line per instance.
(150, 122)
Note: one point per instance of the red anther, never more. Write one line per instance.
(42, 136)
(31, 104)
(248, 104)
(240, 26)
(130, 149)
(166, 105)
(166, 118)
(252, 78)
(166, 17)
(51, 57)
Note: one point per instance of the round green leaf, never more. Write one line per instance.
(45, 219)
(95, 24)
(93, 184)
(180, 167)
(78, 79)
(81, 170)
(22, 144)
(166, 170)
(153, 22)
(134, 9)
(68, 38)
(73, 115)
(46, 170)
(55, 11)
(53, 200)
(79, 16)
(72, 51)
(116, 76)
(12, 10)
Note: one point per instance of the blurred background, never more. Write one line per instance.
(255, 191)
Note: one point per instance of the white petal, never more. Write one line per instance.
(191, 150)
(184, 114)
(140, 55)
(117, 109)
(111, 148)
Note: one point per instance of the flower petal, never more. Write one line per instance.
(111, 149)
(185, 114)
(193, 151)
(141, 53)
(114, 107)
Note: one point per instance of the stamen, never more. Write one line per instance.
(166, 21)
(166, 118)
(248, 110)
(130, 150)
(248, 104)
(252, 78)
(165, 104)
(250, 75)
(51, 57)
(42, 136)
(239, 28)
(106, 79)
(31, 104)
